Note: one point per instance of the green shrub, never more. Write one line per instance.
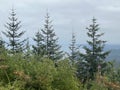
(37, 75)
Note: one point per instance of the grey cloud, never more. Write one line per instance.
(67, 14)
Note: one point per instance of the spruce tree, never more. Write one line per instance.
(14, 34)
(95, 55)
(52, 48)
(38, 48)
(74, 50)
(28, 51)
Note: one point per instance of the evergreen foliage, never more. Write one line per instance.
(13, 34)
(51, 46)
(3, 50)
(74, 54)
(38, 49)
(95, 56)
(2, 45)
(28, 51)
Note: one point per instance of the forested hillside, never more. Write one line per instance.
(44, 66)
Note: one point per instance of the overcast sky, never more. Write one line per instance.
(67, 15)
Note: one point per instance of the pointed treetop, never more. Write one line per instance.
(94, 20)
(47, 14)
(13, 11)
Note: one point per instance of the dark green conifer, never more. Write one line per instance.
(38, 48)
(95, 55)
(52, 48)
(2, 45)
(74, 55)
(28, 51)
(14, 34)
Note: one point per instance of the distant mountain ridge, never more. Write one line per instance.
(115, 52)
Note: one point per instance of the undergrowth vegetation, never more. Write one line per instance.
(17, 73)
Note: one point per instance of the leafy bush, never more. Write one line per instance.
(37, 75)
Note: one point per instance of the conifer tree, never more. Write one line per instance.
(74, 54)
(14, 34)
(95, 55)
(38, 48)
(52, 48)
(27, 50)
(2, 45)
